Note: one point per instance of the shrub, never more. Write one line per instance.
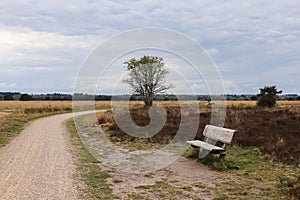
(266, 101)
(267, 96)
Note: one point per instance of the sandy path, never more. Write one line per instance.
(37, 164)
(181, 173)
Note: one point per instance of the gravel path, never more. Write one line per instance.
(37, 163)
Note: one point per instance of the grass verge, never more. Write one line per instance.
(91, 173)
(13, 123)
(261, 177)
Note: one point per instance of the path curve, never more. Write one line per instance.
(37, 164)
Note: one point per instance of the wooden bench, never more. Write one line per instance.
(212, 135)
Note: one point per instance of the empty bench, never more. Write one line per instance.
(212, 136)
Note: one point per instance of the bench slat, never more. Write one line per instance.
(224, 135)
(205, 145)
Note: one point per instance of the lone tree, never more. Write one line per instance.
(267, 96)
(147, 77)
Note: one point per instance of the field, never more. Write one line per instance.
(275, 131)
(280, 125)
(272, 133)
(43, 104)
(63, 104)
(264, 154)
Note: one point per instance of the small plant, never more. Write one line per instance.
(221, 197)
(117, 181)
(150, 175)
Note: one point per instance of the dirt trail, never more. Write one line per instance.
(37, 164)
(183, 179)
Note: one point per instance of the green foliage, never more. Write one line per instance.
(266, 101)
(267, 96)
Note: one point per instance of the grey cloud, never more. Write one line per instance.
(244, 37)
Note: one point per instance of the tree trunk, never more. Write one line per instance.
(148, 100)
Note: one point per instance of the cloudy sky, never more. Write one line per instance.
(253, 43)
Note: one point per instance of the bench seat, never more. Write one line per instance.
(205, 145)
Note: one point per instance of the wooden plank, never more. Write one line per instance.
(224, 135)
(205, 145)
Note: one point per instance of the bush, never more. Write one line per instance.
(267, 96)
(266, 101)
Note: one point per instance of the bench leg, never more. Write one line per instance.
(222, 156)
(202, 153)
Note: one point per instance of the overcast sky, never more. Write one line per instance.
(253, 43)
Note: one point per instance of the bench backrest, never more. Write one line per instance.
(224, 135)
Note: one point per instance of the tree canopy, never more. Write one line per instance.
(147, 77)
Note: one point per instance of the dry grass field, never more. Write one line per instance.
(7, 105)
(33, 104)
(227, 103)
(253, 103)
(13, 105)
(274, 130)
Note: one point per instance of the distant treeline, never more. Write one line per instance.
(11, 96)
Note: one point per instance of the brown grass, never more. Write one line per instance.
(7, 105)
(289, 103)
(105, 117)
(59, 104)
(33, 104)
(253, 103)
(275, 130)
